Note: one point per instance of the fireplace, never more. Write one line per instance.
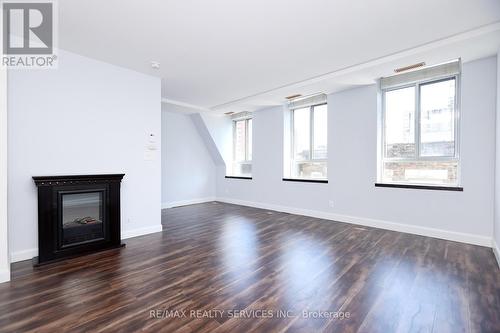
(77, 215)
(82, 217)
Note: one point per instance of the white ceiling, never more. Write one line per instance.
(236, 55)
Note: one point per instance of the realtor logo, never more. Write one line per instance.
(28, 34)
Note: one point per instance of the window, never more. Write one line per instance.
(308, 134)
(420, 131)
(242, 148)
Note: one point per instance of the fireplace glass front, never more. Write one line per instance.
(82, 218)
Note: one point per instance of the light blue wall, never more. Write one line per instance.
(352, 150)
(188, 170)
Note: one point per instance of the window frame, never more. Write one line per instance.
(247, 151)
(311, 159)
(417, 132)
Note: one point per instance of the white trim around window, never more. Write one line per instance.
(314, 161)
(452, 179)
(241, 168)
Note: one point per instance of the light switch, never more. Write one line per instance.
(151, 142)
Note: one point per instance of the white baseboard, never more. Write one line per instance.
(4, 275)
(411, 229)
(186, 202)
(141, 231)
(23, 255)
(30, 253)
(496, 251)
(406, 228)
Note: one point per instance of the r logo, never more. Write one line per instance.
(27, 28)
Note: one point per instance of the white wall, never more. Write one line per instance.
(4, 248)
(464, 216)
(496, 235)
(188, 170)
(221, 130)
(86, 117)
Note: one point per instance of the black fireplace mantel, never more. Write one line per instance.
(77, 214)
(77, 179)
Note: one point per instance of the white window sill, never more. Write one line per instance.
(422, 187)
(239, 177)
(323, 181)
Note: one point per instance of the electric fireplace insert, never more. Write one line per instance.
(77, 215)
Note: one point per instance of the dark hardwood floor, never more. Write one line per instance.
(251, 264)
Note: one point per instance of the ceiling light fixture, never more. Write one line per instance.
(155, 65)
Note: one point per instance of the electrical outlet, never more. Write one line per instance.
(330, 203)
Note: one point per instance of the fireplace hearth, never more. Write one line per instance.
(77, 215)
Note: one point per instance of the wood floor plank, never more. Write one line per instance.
(261, 269)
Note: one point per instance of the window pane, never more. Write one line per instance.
(400, 122)
(242, 169)
(249, 139)
(301, 133)
(437, 118)
(239, 140)
(422, 172)
(320, 130)
(309, 170)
